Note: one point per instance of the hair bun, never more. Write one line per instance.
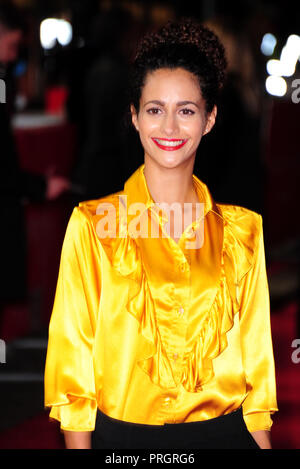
(187, 31)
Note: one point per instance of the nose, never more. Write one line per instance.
(169, 124)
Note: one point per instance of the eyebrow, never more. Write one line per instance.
(180, 103)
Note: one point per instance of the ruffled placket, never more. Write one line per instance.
(125, 258)
(219, 320)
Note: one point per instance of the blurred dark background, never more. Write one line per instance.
(65, 137)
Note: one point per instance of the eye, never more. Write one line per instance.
(187, 112)
(153, 110)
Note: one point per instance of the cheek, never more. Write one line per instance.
(147, 128)
(144, 130)
(194, 129)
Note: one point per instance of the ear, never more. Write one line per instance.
(134, 118)
(211, 119)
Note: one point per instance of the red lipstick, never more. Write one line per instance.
(169, 144)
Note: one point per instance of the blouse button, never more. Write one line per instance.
(167, 401)
(181, 310)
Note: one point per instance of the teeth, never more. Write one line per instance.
(165, 143)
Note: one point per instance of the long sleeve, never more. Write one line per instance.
(256, 342)
(69, 371)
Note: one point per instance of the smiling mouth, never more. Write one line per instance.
(169, 144)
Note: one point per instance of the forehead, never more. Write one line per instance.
(168, 83)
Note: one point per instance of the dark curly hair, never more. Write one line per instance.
(186, 44)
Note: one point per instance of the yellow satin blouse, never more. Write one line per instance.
(151, 332)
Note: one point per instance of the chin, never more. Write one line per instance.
(170, 161)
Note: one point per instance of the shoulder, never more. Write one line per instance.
(90, 208)
(237, 213)
(241, 219)
(86, 214)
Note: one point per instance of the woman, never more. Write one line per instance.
(160, 332)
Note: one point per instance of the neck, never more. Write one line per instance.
(168, 185)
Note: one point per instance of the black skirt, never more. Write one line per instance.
(224, 432)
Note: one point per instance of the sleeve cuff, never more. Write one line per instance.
(258, 421)
(78, 416)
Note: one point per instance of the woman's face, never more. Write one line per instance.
(172, 117)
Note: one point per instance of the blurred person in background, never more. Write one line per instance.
(16, 185)
(98, 97)
(236, 139)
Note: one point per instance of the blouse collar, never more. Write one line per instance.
(136, 190)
